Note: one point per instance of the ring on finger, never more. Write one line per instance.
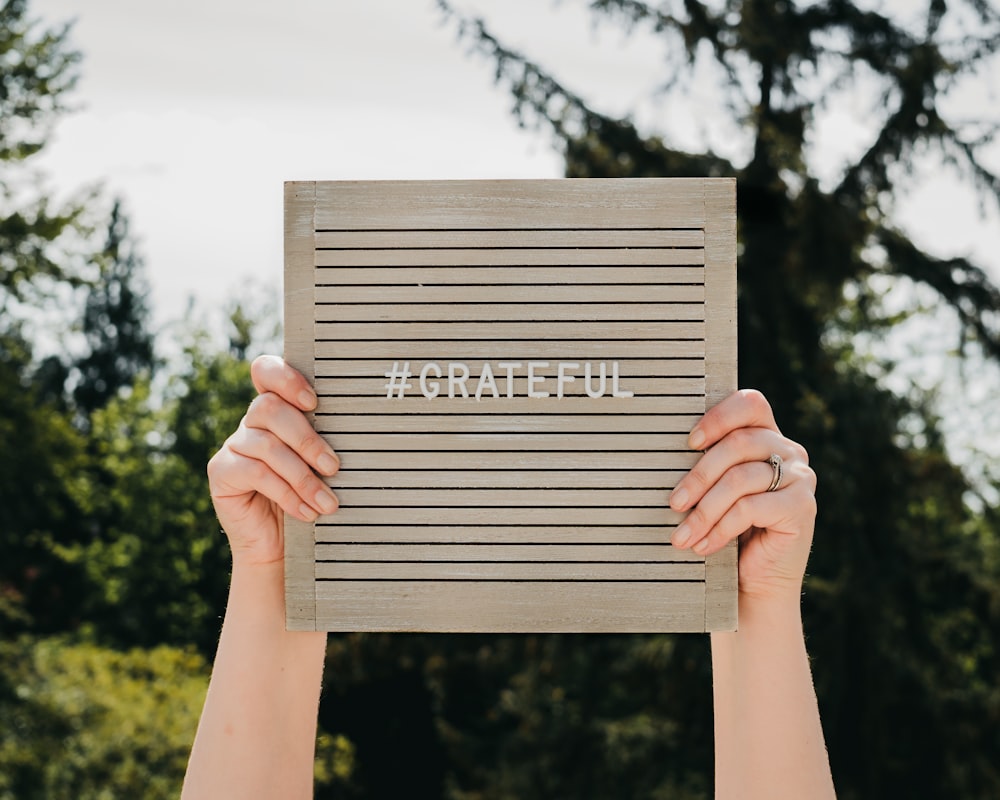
(778, 471)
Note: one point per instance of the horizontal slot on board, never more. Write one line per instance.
(509, 571)
(535, 535)
(566, 257)
(506, 460)
(506, 479)
(664, 237)
(505, 406)
(504, 553)
(511, 293)
(452, 350)
(509, 331)
(512, 312)
(633, 367)
(443, 497)
(581, 445)
(641, 387)
(509, 425)
(508, 276)
(433, 514)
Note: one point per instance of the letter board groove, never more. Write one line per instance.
(508, 371)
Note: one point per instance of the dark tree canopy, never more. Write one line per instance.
(108, 537)
(903, 596)
(115, 316)
(37, 69)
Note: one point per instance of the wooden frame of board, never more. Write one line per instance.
(508, 371)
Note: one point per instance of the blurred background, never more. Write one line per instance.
(142, 153)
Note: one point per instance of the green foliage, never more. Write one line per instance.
(44, 456)
(157, 564)
(37, 68)
(108, 533)
(114, 322)
(81, 722)
(904, 592)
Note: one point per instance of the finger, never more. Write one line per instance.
(735, 485)
(780, 513)
(746, 408)
(272, 374)
(743, 445)
(233, 476)
(281, 459)
(270, 412)
(736, 521)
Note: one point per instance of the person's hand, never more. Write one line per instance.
(269, 465)
(727, 494)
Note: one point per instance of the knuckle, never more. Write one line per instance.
(305, 483)
(258, 470)
(742, 438)
(213, 466)
(698, 518)
(259, 368)
(262, 406)
(746, 507)
(811, 506)
(810, 479)
(218, 463)
(741, 479)
(698, 481)
(800, 453)
(309, 445)
(289, 498)
(755, 399)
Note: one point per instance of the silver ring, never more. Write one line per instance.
(775, 461)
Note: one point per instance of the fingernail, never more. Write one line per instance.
(681, 534)
(678, 499)
(701, 547)
(326, 502)
(307, 399)
(328, 463)
(696, 439)
(307, 512)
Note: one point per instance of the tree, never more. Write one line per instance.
(904, 594)
(84, 722)
(37, 255)
(115, 320)
(37, 69)
(157, 564)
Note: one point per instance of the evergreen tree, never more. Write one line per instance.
(37, 69)
(904, 597)
(42, 452)
(115, 320)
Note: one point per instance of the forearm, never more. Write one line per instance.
(769, 741)
(257, 732)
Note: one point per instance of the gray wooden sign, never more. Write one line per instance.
(508, 371)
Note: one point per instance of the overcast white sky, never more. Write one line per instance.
(196, 111)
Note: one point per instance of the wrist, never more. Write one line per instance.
(258, 571)
(769, 607)
(257, 593)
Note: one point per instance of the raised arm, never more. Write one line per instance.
(768, 738)
(257, 734)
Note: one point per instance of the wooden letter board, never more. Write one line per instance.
(510, 510)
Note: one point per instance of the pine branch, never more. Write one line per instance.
(963, 285)
(593, 143)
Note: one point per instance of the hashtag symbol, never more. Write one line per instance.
(397, 384)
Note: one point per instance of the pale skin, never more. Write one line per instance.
(256, 738)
